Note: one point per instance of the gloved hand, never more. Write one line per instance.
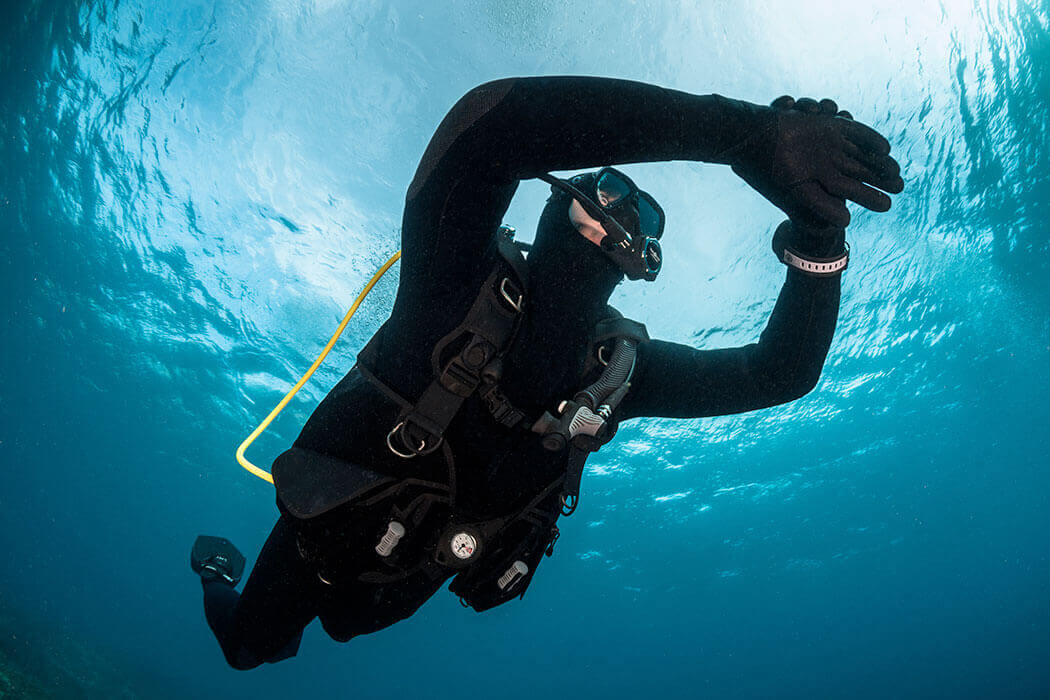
(817, 157)
(809, 236)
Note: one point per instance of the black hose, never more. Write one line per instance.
(616, 373)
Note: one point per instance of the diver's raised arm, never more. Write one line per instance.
(805, 162)
(529, 126)
(517, 128)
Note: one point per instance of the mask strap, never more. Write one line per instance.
(615, 233)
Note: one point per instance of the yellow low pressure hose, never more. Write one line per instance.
(262, 473)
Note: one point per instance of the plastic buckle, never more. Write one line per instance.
(500, 409)
(505, 413)
(457, 378)
(516, 304)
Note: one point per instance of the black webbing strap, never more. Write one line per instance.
(501, 408)
(488, 327)
(482, 337)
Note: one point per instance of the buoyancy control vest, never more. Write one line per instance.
(405, 526)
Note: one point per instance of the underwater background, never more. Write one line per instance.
(192, 193)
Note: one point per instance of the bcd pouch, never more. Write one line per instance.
(506, 570)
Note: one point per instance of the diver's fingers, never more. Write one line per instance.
(885, 175)
(880, 164)
(783, 102)
(857, 191)
(807, 105)
(857, 153)
(887, 169)
(828, 106)
(866, 137)
(845, 115)
(821, 205)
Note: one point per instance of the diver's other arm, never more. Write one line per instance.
(677, 381)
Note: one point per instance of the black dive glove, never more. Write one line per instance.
(813, 158)
(804, 236)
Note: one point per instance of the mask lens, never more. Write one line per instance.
(611, 188)
(653, 256)
(650, 217)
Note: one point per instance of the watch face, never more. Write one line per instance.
(463, 545)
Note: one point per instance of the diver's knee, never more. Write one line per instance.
(243, 660)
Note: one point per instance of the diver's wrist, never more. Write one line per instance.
(731, 132)
(815, 267)
(815, 251)
(811, 240)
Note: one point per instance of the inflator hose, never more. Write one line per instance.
(616, 373)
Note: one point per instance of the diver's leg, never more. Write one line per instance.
(363, 608)
(266, 621)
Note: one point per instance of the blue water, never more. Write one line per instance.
(192, 193)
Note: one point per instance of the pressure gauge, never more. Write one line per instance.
(463, 545)
(460, 546)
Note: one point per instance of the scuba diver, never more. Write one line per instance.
(459, 437)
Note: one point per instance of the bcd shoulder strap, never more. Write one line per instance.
(478, 343)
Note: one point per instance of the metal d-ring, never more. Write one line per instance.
(393, 449)
(515, 303)
(421, 450)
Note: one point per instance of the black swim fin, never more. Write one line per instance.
(215, 558)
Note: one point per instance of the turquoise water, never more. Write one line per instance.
(192, 193)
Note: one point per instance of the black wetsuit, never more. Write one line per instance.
(496, 135)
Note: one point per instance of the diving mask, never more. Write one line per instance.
(632, 220)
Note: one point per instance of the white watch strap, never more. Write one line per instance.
(820, 267)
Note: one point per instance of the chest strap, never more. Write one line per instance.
(477, 345)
